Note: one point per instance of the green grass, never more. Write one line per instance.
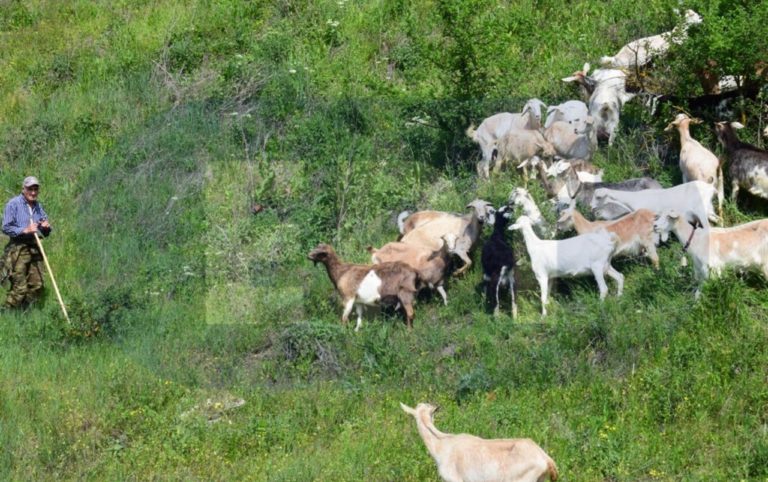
(191, 154)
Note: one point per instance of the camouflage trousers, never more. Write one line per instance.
(22, 265)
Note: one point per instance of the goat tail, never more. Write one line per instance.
(607, 61)
(552, 469)
(401, 221)
(471, 132)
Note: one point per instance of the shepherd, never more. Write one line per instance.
(23, 217)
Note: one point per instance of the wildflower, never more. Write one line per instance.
(291, 71)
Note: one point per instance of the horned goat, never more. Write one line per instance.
(364, 285)
(583, 254)
(463, 457)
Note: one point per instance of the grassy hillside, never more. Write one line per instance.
(191, 153)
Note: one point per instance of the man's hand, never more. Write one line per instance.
(44, 224)
(31, 228)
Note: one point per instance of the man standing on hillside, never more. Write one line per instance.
(22, 261)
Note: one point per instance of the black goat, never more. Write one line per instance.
(748, 166)
(498, 261)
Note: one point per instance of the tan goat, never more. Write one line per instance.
(697, 163)
(714, 249)
(430, 266)
(361, 284)
(463, 457)
(635, 231)
(427, 228)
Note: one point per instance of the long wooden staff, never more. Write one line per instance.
(48, 267)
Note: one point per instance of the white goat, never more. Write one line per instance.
(695, 197)
(640, 52)
(583, 254)
(574, 112)
(697, 163)
(606, 102)
(714, 249)
(467, 458)
(522, 198)
(585, 170)
(495, 126)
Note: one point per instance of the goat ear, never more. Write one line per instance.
(696, 120)
(407, 409)
(737, 125)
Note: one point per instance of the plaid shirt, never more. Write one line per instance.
(16, 218)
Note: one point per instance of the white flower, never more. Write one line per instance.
(291, 71)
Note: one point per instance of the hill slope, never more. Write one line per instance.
(191, 153)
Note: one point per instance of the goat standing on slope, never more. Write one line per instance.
(713, 249)
(499, 262)
(430, 266)
(463, 457)
(583, 254)
(697, 163)
(360, 284)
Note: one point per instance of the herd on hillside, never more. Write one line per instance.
(633, 217)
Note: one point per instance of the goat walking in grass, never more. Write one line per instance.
(365, 285)
(467, 458)
(498, 261)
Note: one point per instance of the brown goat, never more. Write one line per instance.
(361, 284)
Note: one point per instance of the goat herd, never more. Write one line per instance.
(634, 216)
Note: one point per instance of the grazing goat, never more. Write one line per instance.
(640, 52)
(429, 228)
(635, 231)
(430, 266)
(520, 145)
(583, 254)
(748, 164)
(464, 457)
(360, 284)
(495, 126)
(713, 249)
(697, 163)
(695, 197)
(498, 261)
